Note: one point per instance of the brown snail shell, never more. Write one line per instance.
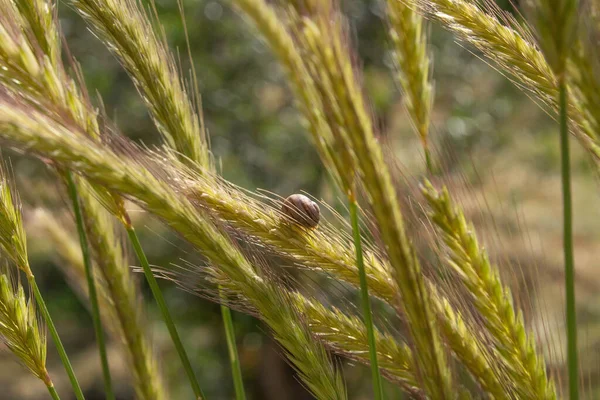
(301, 210)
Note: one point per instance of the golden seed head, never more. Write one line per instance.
(301, 210)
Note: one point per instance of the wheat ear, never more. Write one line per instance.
(322, 250)
(107, 168)
(116, 306)
(14, 244)
(413, 66)
(514, 53)
(266, 20)
(514, 345)
(125, 28)
(122, 293)
(374, 176)
(21, 331)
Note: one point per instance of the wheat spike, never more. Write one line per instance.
(21, 330)
(412, 63)
(126, 30)
(514, 344)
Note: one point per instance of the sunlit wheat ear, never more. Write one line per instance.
(32, 66)
(28, 130)
(125, 28)
(555, 24)
(406, 31)
(122, 310)
(375, 178)
(20, 328)
(512, 48)
(268, 22)
(513, 344)
(41, 17)
(341, 332)
(12, 234)
(583, 77)
(325, 249)
(129, 177)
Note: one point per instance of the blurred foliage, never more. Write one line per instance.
(491, 134)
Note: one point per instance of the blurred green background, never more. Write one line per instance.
(502, 159)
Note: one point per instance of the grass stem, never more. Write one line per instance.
(572, 357)
(162, 305)
(53, 392)
(366, 303)
(57, 342)
(238, 382)
(93, 296)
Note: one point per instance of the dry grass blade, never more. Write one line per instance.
(20, 329)
(126, 30)
(513, 344)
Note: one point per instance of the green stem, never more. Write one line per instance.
(366, 303)
(238, 382)
(428, 161)
(57, 342)
(572, 357)
(162, 305)
(91, 283)
(53, 392)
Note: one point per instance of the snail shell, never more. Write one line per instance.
(301, 210)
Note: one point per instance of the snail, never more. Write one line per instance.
(301, 210)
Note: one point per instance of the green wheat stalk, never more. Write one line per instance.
(92, 292)
(556, 27)
(114, 268)
(346, 178)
